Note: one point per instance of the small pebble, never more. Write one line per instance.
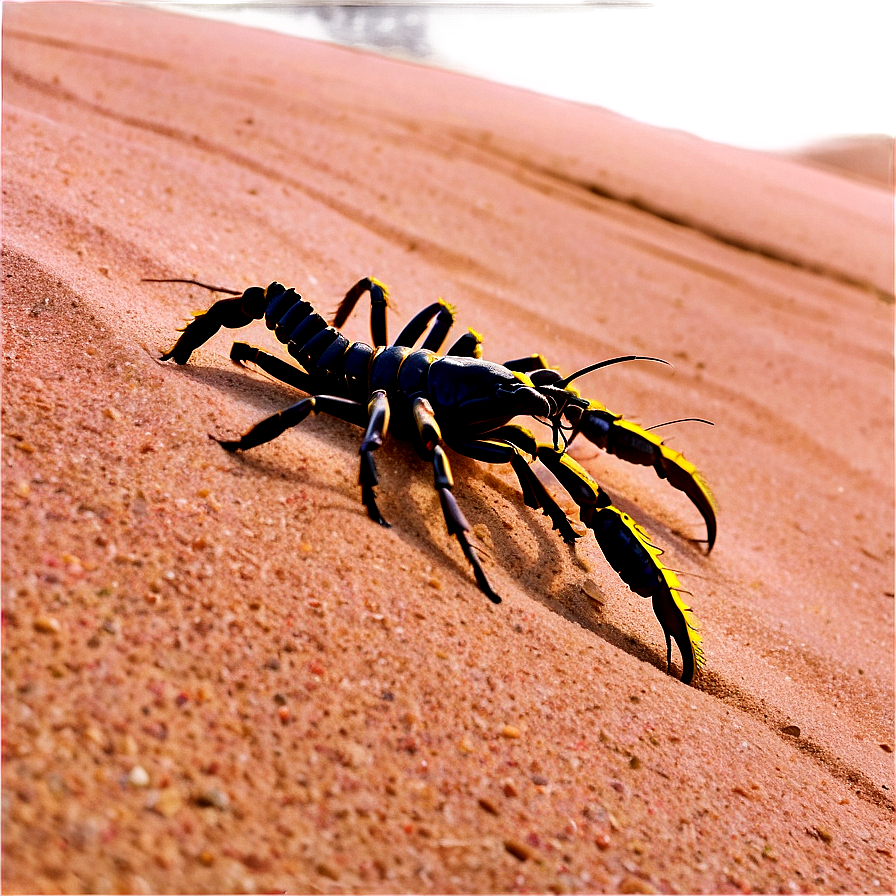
(46, 624)
(518, 850)
(887, 748)
(213, 797)
(589, 587)
(112, 413)
(325, 870)
(791, 730)
(138, 776)
(510, 731)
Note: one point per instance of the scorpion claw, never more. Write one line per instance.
(636, 445)
(683, 475)
(629, 551)
(678, 622)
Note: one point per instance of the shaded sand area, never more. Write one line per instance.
(220, 675)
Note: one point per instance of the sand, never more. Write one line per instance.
(220, 676)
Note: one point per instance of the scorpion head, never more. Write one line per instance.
(480, 396)
(566, 403)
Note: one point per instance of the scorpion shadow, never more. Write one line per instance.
(539, 578)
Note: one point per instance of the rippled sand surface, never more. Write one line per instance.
(220, 676)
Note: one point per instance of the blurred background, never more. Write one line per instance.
(809, 79)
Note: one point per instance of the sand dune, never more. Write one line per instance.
(219, 675)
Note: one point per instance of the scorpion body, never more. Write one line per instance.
(468, 404)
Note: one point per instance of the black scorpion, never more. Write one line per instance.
(459, 400)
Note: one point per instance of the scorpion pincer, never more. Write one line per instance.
(468, 404)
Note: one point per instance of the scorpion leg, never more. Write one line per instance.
(233, 313)
(414, 329)
(527, 364)
(375, 417)
(508, 446)
(628, 549)
(377, 426)
(468, 346)
(241, 352)
(379, 301)
(268, 429)
(431, 437)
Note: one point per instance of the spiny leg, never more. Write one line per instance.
(468, 346)
(377, 427)
(628, 549)
(430, 438)
(507, 446)
(442, 312)
(379, 301)
(268, 429)
(242, 352)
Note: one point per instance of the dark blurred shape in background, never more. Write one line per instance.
(384, 26)
(404, 26)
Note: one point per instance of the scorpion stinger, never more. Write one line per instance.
(467, 404)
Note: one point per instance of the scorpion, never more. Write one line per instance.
(461, 401)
